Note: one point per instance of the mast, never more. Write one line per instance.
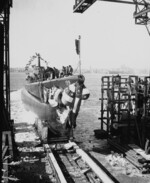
(39, 62)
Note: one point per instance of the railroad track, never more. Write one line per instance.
(71, 164)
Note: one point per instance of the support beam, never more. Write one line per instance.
(141, 13)
(124, 2)
(82, 5)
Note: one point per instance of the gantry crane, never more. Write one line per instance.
(141, 14)
(125, 113)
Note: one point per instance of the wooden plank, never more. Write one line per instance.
(138, 150)
(72, 169)
(81, 176)
(56, 166)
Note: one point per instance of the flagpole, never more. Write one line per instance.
(78, 50)
(79, 54)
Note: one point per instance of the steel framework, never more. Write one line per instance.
(125, 108)
(4, 55)
(5, 124)
(141, 14)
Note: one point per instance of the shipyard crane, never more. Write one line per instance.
(141, 14)
(108, 91)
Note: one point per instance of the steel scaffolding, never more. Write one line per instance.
(125, 108)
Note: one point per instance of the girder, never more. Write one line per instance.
(141, 14)
(82, 5)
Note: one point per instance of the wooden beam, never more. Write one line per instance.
(138, 150)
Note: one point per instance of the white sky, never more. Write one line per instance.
(109, 36)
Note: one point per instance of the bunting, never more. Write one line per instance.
(32, 59)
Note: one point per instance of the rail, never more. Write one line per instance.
(71, 164)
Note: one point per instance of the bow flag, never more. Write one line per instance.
(77, 44)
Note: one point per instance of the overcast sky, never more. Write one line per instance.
(109, 36)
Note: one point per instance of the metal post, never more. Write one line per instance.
(39, 60)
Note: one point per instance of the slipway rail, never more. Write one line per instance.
(71, 164)
(57, 171)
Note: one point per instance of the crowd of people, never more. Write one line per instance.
(41, 73)
(66, 71)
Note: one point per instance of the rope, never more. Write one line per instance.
(77, 68)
